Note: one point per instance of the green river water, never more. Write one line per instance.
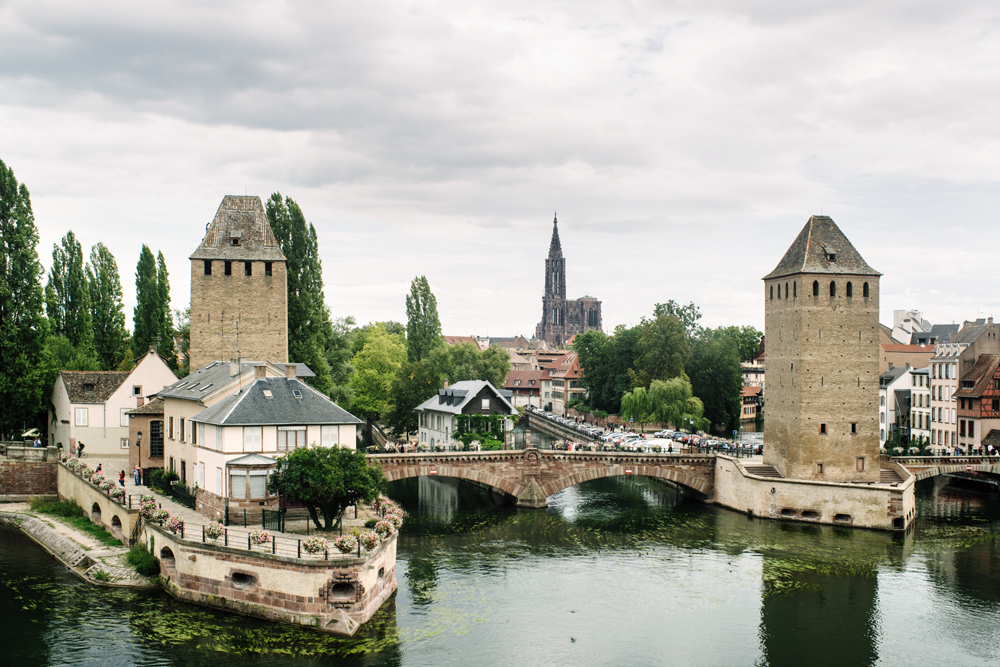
(618, 571)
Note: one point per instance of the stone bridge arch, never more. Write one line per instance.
(531, 476)
(925, 467)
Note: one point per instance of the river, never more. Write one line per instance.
(620, 571)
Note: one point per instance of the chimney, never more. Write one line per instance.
(290, 371)
(260, 372)
(234, 367)
(446, 383)
(140, 401)
(152, 348)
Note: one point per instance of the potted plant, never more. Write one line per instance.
(370, 540)
(346, 543)
(174, 523)
(117, 493)
(159, 516)
(259, 536)
(384, 528)
(315, 544)
(395, 519)
(214, 530)
(147, 508)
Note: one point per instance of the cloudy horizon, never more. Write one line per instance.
(683, 145)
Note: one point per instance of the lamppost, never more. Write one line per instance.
(138, 449)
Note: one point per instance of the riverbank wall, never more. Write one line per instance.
(882, 507)
(65, 550)
(333, 593)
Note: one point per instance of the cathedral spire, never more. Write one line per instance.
(555, 248)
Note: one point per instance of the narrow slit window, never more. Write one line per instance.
(849, 290)
(248, 268)
(864, 290)
(822, 429)
(229, 268)
(208, 267)
(815, 288)
(833, 288)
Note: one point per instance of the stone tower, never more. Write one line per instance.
(239, 288)
(821, 388)
(562, 318)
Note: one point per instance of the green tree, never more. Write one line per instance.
(376, 366)
(415, 383)
(106, 307)
(423, 327)
(663, 350)
(327, 480)
(746, 339)
(672, 402)
(688, 315)
(164, 322)
(606, 362)
(638, 407)
(465, 361)
(24, 326)
(339, 353)
(310, 330)
(182, 331)
(716, 378)
(67, 296)
(145, 316)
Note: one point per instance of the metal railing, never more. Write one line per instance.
(276, 545)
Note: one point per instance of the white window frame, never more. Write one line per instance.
(218, 438)
(253, 438)
(124, 417)
(330, 435)
(82, 417)
(283, 439)
(219, 483)
(124, 443)
(201, 474)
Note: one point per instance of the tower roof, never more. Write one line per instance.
(555, 248)
(821, 248)
(239, 231)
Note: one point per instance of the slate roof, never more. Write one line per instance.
(982, 373)
(969, 333)
(891, 375)
(810, 251)
(939, 333)
(241, 218)
(211, 377)
(252, 407)
(153, 407)
(102, 384)
(992, 438)
(463, 392)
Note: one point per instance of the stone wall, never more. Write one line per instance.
(98, 505)
(22, 479)
(863, 506)
(335, 595)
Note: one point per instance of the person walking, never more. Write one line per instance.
(138, 474)
(121, 478)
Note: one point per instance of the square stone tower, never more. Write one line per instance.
(239, 288)
(821, 387)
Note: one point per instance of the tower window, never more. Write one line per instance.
(815, 288)
(850, 290)
(779, 290)
(864, 290)
(831, 256)
(822, 429)
(248, 268)
(833, 288)
(854, 428)
(235, 240)
(208, 267)
(772, 292)
(786, 290)
(229, 268)
(795, 290)
(267, 268)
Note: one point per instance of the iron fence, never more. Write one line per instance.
(182, 495)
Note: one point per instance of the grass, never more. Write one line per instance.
(144, 562)
(102, 575)
(73, 514)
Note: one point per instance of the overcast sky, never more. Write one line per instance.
(684, 145)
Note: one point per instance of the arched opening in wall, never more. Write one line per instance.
(815, 288)
(795, 290)
(810, 515)
(116, 527)
(864, 290)
(381, 572)
(95, 513)
(788, 512)
(167, 557)
(786, 290)
(342, 590)
(779, 291)
(842, 518)
(833, 288)
(772, 292)
(849, 290)
(243, 580)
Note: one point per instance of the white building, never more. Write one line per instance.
(920, 404)
(438, 415)
(91, 406)
(894, 404)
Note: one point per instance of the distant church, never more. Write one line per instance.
(239, 288)
(561, 318)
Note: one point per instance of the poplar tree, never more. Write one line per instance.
(67, 295)
(423, 326)
(310, 332)
(24, 327)
(147, 296)
(164, 320)
(106, 307)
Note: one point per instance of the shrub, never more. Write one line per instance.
(370, 523)
(346, 543)
(395, 519)
(144, 562)
(315, 545)
(117, 493)
(74, 464)
(161, 479)
(102, 575)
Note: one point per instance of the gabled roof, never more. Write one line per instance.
(461, 393)
(213, 376)
(981, 373)
(813, 247)
(291, 402)
(969, 333)
(568, 367)
(992, 438)
(252, 460)
(239, 231)
(92, 386)
(751, 391)
(525, 379)
(455, 340)
(891, 375)
(153, 407)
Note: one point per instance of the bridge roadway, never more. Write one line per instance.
(531, 475)
(555, 429)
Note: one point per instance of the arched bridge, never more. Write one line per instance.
(532, 475)
(923, 467)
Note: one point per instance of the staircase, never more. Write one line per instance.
(762, 470)
(888, 476)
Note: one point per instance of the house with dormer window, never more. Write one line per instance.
(437, 415)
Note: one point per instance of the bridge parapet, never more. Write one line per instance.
(923, 467)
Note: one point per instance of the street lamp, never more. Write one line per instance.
(138, 449)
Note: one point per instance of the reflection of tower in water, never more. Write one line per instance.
(438, 498)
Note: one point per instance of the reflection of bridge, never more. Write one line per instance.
(531, 475)
(923, 467)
